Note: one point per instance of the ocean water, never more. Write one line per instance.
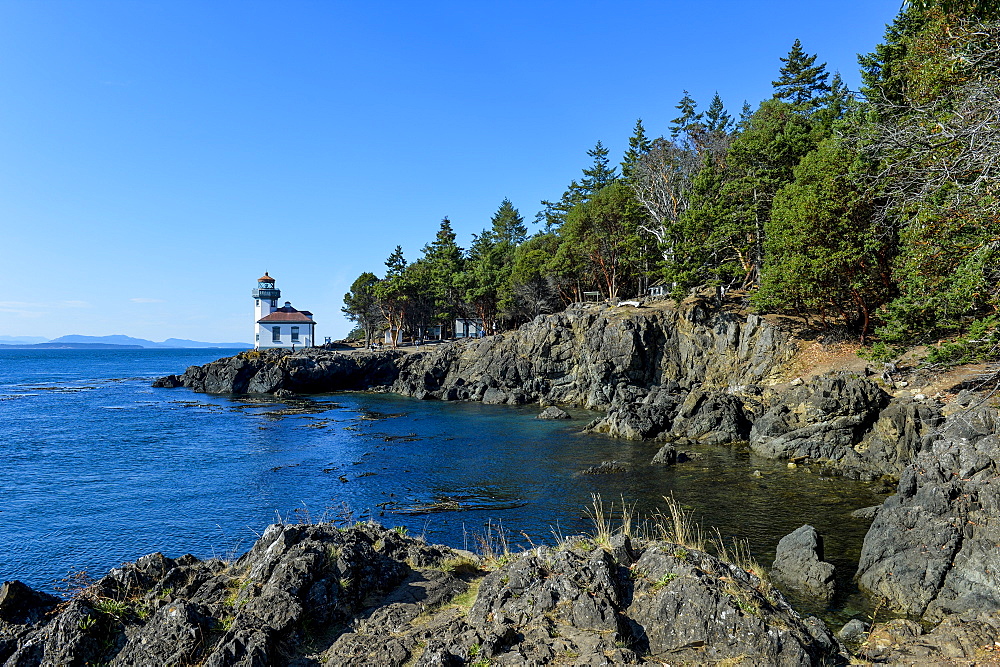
(99, 468)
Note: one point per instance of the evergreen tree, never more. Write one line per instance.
(392, 293)
(800, 81)
(687, 127)
(638, 145)
(600, 174)
(823, 254)
(760, 161)
(717, 121)
(361, 305)
(443, 258)
(508, 225)
(487, 279)
(604, 231)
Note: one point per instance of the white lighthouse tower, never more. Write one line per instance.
(279, 327)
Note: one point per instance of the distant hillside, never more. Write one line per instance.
(22, 340)
(68, 346)
(120, 341)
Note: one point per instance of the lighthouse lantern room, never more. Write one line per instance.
(283, 327)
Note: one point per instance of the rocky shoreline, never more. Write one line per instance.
(703, 374)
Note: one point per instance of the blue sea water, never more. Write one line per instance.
(100, 468)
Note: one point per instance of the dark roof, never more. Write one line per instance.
(265, 278)
(288, 314)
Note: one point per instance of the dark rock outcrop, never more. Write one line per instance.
(553, 412)
(958, 640)
(318, 595)
(313, 370)
(799, 564)
(821, 420)
(600, 357)
(848, 421)
(931, 549)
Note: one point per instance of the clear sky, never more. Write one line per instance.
(157, 157)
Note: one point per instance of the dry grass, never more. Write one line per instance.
(677, 525)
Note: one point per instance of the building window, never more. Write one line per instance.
(256, 302)
(258, 338)
(295, 334)
(275, 334)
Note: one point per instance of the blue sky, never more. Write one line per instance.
(157, 157)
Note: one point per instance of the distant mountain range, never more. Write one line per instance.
(108, 342)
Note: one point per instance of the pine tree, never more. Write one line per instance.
(688, 126)
(361, 306)
(444, 260)
(508, 225)
(638, 145)
(800, 81)
(600, 174)
(392, 292)
(716, 118)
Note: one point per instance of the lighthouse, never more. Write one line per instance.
(283, 327)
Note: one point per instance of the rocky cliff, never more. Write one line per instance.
(703, 374)
(599, 357)
(318, 595)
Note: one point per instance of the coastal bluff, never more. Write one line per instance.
(589, 355)
(311, 595)
(700, 373)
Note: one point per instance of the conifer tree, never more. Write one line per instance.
(800, 81)
(638, 145)
(444, 260)
(600, 174)
(716, 118)
(361, 305)
(392, 292)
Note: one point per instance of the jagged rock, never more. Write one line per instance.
(635, 422)
(607, 468)
(852, 632)
(821, 420)
(902, 430)
(20, 604)
(798, 563)
(866, 513)
(319, 595)
(958, 639)
(168, 382)
(931, 549)
(602, 357)
(270, 371)
(591, 356)
(713, 418)
(552, 412)
(666, 456)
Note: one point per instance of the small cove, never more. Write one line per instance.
(101, 468)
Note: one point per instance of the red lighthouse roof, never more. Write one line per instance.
(265, 278)
(288, 314)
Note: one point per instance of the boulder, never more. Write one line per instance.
(666, 456)
(552, 412)
(821, 420)
(20, 604)
(931, 549)
(853, 631)
(799, 564)
(370, 596)
(607, 468)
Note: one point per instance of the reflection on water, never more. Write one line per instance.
(100, 472)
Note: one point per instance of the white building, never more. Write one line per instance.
(469, 327)
(279, 327)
